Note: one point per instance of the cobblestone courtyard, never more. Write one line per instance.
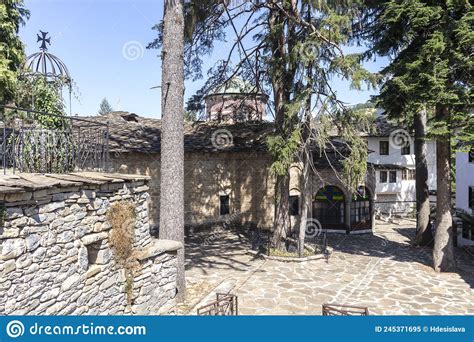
(381, 271)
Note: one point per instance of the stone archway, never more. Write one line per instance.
(329, 206)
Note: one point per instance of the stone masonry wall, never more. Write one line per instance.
(244, 176)
(56, 256)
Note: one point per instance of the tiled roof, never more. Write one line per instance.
(129, 132)
(383, 126)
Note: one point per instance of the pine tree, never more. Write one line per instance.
(288, 36)
(105, 107)
(12, 15)
(431, 45)
(172, 134)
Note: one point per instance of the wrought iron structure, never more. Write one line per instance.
(34, 141)
(46, 64)
(344, 310)
(225, 305)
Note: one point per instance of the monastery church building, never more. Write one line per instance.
(227, 168)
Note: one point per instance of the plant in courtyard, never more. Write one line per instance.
(44, 142)
(12, 15)
(430, 44)
(122, 217)
(43, 95)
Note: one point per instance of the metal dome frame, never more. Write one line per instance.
(47, 65)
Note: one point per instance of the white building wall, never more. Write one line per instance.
(464, 180)
(403, 192)
(431, 161)
(394, 157)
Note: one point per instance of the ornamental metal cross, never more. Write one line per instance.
(44, 40)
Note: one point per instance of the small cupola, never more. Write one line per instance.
(235, 101)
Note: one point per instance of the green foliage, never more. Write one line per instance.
(47, 97)
(12, 15)
(314, 55)
(351, 149)
(105, 107)
(288, 49)
(203, 17)
(431, 45)
(45, 143)
(41, 150)
(44, 96)
(284, 151)
(190, 116)
(355, 163)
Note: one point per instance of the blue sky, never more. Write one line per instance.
(103, 45)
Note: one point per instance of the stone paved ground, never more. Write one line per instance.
(381, 271)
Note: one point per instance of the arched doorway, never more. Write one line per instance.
(361, 210)
(329, 207)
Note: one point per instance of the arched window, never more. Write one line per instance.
(329, 207)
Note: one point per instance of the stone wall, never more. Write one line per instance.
(56, 256)
(244, 176)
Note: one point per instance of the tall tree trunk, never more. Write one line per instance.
(305, 201)
(172, 134)
(443, 253)
(282, 209)
(307, 160)
(281, 223)
(424, 235)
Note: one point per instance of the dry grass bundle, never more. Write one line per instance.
(121, 215)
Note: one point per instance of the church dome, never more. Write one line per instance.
(235, 85)
(235, 101)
